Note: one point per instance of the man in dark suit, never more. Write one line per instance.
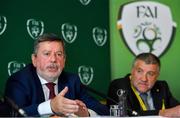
(31, 87)
(143, 81)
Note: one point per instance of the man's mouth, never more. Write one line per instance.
(52, 69)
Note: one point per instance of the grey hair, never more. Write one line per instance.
(47, 37)
(148, 58)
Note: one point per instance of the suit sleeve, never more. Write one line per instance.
(90, 101)
(17, 90)
(170, 100)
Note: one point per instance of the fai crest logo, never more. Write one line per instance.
(85, 2)
(14, 66)
(86, 74)
(146, 26)
(3, 24)
(99, 36)
(35, 28)
(69, 32)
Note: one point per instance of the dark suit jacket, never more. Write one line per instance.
(25, 89)
(159, 92)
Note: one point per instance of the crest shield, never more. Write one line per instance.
(3, 24)
(35, 28)
(14, 66)
(142, 29)
(69, 32)
(86, 74)
(99, 36)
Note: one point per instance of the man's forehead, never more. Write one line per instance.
(142, 65)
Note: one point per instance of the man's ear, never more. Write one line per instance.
(33, 58)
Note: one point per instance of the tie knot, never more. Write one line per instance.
(144, 95)
(50, 85)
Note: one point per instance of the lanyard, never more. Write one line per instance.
(143, 106)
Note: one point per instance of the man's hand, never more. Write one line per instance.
(63, 106)
(82, 111)
(171, 112)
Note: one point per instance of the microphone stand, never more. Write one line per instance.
(134, 113)
(14, 106)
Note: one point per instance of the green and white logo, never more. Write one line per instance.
(3, 24)
(69, 32)
(99, 36)
(35, 28)
(86, 74)
(146, 26)
(14, 66)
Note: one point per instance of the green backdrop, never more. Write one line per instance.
(85, 27)
(121, 56)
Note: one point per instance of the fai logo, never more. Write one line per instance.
(14, 66)
(99, 36)
(85, 2)
(35, 28)
(86, 74)
(3, 24)
(146, 26)
(69, 32)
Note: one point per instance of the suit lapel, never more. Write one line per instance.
(37, 87)
(157, 97)
(62, 83)
(133, 102)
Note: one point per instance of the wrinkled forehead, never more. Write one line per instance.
(49, 46)
(50, 43)
(146, 66)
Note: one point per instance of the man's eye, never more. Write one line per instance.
(46, 54)
(151, 74)
(60, 54)
(139, 71)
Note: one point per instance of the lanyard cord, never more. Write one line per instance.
(143, 106)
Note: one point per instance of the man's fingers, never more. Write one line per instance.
(80, 103)
(71, 108)
(64, 91)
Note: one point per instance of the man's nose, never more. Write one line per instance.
(53, 57)
(144, 77)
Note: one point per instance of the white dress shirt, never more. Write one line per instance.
(45, 108)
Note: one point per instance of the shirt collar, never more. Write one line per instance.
(148, 93)
(43, 81)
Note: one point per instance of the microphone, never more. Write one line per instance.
(14, 106)
(134, 113)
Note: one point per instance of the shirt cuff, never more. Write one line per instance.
(45, 108)
(92, 113)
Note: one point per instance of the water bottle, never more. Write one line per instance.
(115, 110)
(120, 109)
(122, 94)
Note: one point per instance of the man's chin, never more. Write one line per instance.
(142, 90)
(52, 79)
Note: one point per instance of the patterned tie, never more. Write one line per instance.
(144, 98)
(51, 85)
